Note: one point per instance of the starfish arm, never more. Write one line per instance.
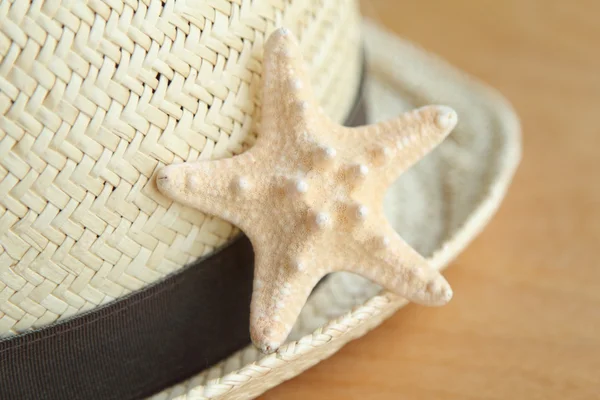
(392, 146)
(216, 187)
(286, 91)
(390, 262)
(280, 290)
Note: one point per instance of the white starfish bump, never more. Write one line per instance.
(309, 196)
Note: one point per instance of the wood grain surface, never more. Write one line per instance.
(525, 319)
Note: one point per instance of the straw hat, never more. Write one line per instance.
(96, 97)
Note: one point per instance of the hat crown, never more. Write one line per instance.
(96, 97)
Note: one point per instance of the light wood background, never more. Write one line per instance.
(525, 319)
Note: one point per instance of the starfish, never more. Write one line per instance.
(309, 196)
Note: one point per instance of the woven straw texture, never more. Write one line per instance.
(95, 97)
(439, 206)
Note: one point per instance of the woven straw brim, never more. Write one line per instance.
(439, 206)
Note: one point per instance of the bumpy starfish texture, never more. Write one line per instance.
(309, 195)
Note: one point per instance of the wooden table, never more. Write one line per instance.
(525, 319)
